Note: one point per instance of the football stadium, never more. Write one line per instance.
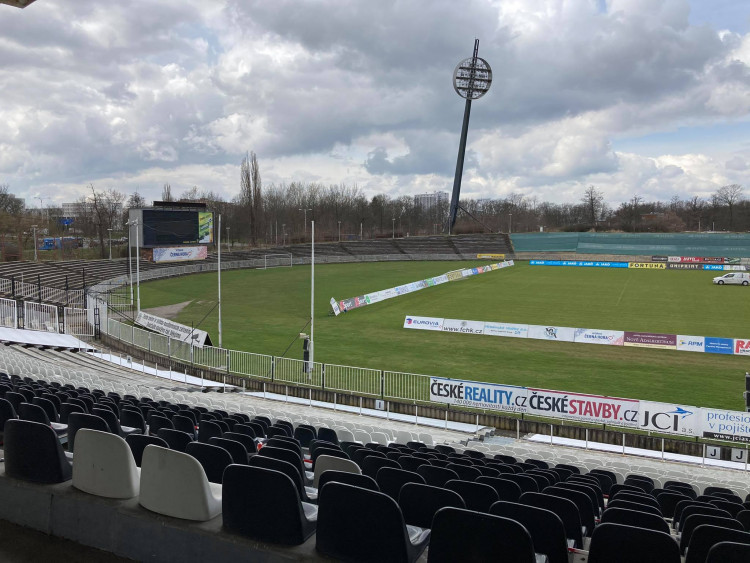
(558, 389)
(514, 374)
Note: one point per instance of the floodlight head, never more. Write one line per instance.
(472, 78)
(17, 3)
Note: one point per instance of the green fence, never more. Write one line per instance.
(665, 244)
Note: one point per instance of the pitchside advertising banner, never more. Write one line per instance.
(578, 263)
(651, 340)
(506, 329)
(478, 395)
(179, 253)
(647, 265)
(669, 418)
(423, 323)
(377, 296)
(172, 329)
(465, 327)
(725, 425)
(662, 418)
(596, 336)
(583, 408)
(556, 333)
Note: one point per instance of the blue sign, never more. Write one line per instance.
(578, 263)
(719, 345)
(713, 267)
(66, 220)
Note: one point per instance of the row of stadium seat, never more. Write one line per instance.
(261, 500)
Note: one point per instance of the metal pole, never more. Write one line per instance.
(110, 243)
(130, 261)
(339, 231)
(312, 298)
(137, 267)
(219, 270)
(36, 258)
(459, 166)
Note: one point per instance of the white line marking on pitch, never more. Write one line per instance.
(624, 287)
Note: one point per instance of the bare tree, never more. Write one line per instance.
(257, 197)
(106, 208)
(729, 196)
(166, 192)
(593, 202)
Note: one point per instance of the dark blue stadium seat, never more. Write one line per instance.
(545, 527)
(213, 459)
(706, 536)
(617, 543)
(356, 524)
(420, 502)
(138, 443)
(33, 453)
(482, 537)
(265, 505)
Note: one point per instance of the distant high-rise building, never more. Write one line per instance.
(428, 201)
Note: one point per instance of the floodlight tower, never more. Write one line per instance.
(471, 80)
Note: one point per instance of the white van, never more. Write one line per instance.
(739, 278)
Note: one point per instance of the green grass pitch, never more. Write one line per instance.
(264, 310)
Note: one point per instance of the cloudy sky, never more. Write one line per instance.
(646, 97)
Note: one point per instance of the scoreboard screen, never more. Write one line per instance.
(169, 227)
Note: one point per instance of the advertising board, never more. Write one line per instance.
(478, 395)
(713, 267)
(668, 418)
(492, 256)
(548, 332)
(680, 266)
(718, 424)
(651, 340)
(581, 407)
(464, 327)
(179, 253)
(688, 343)
(506, 329)
(578, 263)
(715, 345)
(596, 336)
(742, 347)
(647, 265)
(205, 227)
(423, 323)
(173, 329)
(335, 307)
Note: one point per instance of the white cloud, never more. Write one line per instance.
(142, 93)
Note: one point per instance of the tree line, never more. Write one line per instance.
(280, 214)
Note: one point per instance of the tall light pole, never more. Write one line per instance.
(137, 269)
(36, 258)
(229, 239)
(471, 80)
(510, 223)
(283, 234)
(393, 231)
(304, 229)
(130, 259)
(219, 272)
(109, 231)
(312, 300)
(339, 231)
